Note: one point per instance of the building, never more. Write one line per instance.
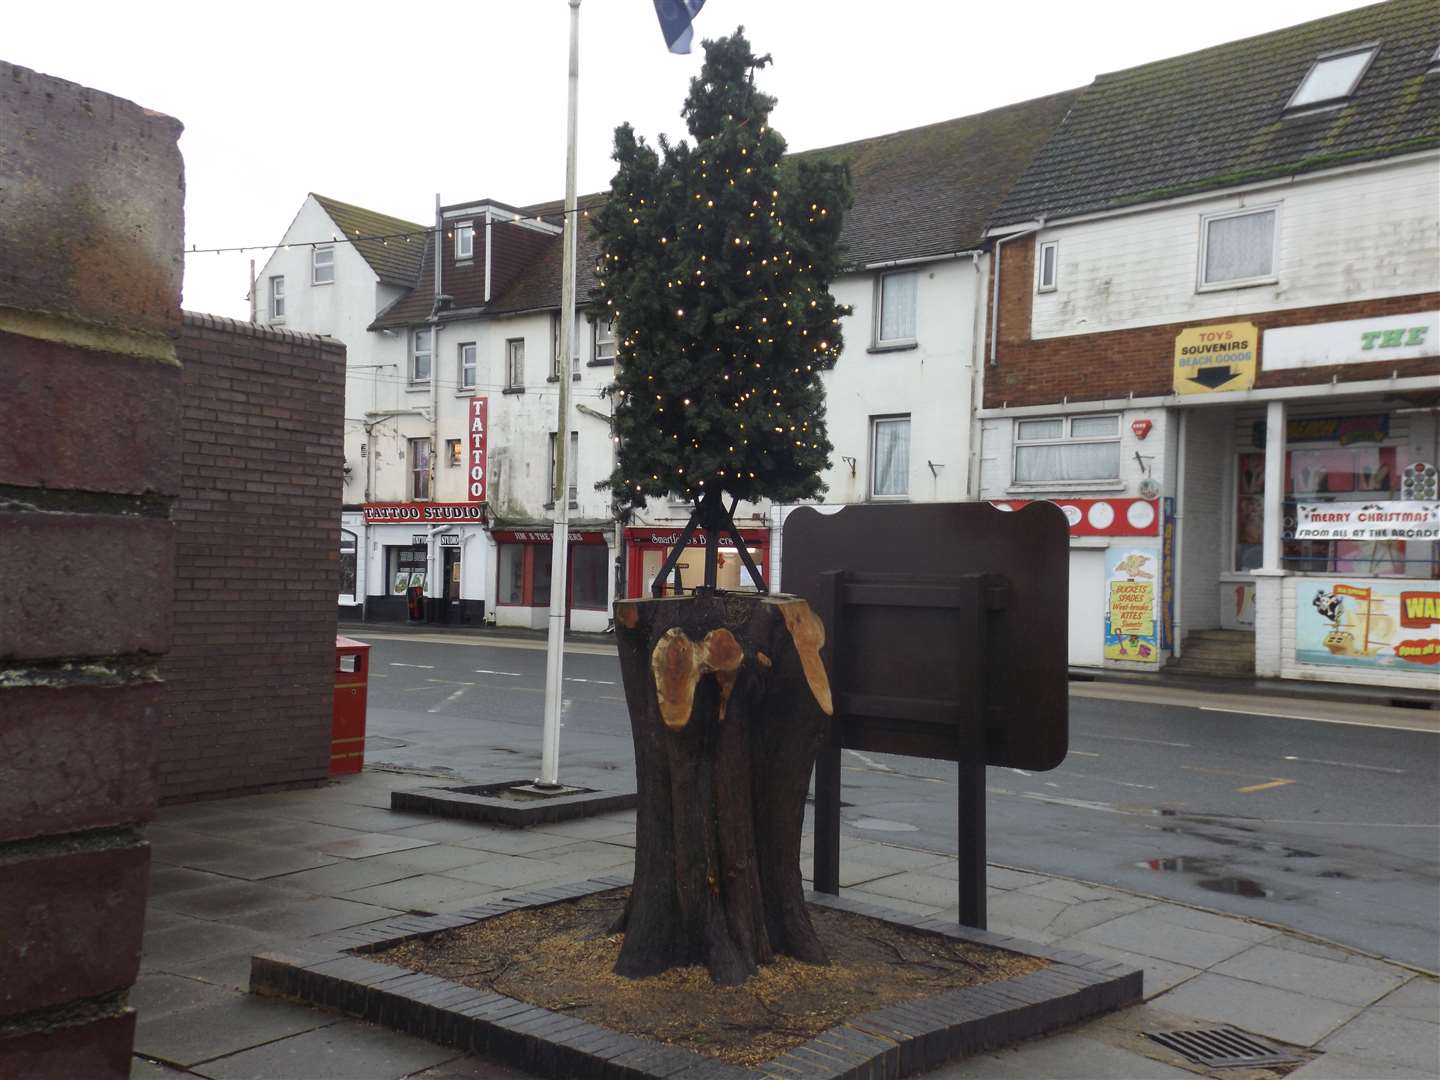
(1215, 345)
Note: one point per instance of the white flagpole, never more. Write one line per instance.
(559, 540)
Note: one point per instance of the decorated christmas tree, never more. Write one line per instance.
(715, 264)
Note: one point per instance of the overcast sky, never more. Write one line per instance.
(386, 105)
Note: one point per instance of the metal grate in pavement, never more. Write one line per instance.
(1222, 1048)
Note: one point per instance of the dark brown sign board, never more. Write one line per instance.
(946, 637)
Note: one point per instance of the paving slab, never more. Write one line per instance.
(470, 1068)
(1195, 919)
(435, 859)
(514, 841)
(1072, 1055)
(1418, 999)
(157, 994)
(445, 832)
(160, 919)
(364, 845)
(917, 887)
(258, 863)
(1265, 1010)
(890, 855)
(419, 893)
(1084, 914)
(1023, 912)
(1004, 878)
(1144, 933)
(314, 915)
(1377, 1035)
(894, 903)
(300, 833)
(229, 970)
(195, 940)
(1160, 975)
(616, 828)
(230, 897)
(213, 1031)
(1304, 945)
(1348, 984)
(198, 850)
(583, 857)
(1345, 1067)
(343, 876)
(365, 818)
(511, 871)
(144, 1069)
(348, 1050)
(169, 880)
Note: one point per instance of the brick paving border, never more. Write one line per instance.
(898, 1040)
(474, 803)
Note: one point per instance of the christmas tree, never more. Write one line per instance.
(715, 264)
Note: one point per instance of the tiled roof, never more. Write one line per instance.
(926, 191)
(931, 190)
(395, 262)
(1216, 118)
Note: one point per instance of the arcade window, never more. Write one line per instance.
(322, 265)
(1237, 248)
(1067, 450)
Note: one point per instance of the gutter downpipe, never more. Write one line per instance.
(995, 295)
(977, 383)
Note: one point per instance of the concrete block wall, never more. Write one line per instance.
(249, 682)
(91, 196)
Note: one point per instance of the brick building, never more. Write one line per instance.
(1215, 344)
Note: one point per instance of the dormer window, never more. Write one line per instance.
(1333, 77)
(465, 241)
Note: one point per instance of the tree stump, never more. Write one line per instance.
(729, 705)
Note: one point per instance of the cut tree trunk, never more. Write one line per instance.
(729, 704)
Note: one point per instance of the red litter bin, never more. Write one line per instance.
(347, 730)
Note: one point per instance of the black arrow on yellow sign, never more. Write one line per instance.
(1212, 378)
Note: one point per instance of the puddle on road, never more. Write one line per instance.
(1211, 874)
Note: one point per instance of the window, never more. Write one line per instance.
(1067, 450)
(322, 265)
(1237, 248)
(604, 341)
(348, 549)
(420, 356)
(515, 364)
(1045, 266)
(589, 576)
(465, 241)
(570, 460)
(420, 468)
(890, 457)
(453, 452)
(1333, 77)
(277, 297)
(406, 566)
(465, 379)
(895, 321)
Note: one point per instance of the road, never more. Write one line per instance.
(1315, 815)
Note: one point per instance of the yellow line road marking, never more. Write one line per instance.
(1262, 787)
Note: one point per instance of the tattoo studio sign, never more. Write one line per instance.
(1368, 521)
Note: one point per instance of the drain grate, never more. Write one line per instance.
(1222, 1048)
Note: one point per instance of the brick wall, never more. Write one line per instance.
(250, 677)
(1114, 364)
(91, 189)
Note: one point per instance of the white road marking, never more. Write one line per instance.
(497, 643)
(1346, 765)
(453, 697)
(1022, 772)
(1107, 780)
(486, 671)
(1079, 804)
(1082, 753)
(870, 762)
(595, 682)
(1131, 738)
(427, 667)
(1432, 728)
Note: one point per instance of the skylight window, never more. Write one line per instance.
(1333, 78)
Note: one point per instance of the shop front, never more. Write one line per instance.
(425, 562)
(649, 547)
(522, 578)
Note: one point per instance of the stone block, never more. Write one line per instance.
(97, 1049)
(70, 924)
(76, 758)
(92, 215)
(108, 588)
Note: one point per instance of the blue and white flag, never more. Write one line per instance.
(675, 17)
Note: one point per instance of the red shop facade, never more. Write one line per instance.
(648, 546)
(522, 578)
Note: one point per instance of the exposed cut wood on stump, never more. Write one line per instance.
(729, 704)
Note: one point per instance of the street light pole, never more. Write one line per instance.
(560, 537)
